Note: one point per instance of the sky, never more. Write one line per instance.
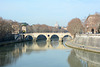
(47, 11)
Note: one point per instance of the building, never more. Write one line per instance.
(19, 27)
(92, 23)
(65, 28)
(56, 25)
(23, 27)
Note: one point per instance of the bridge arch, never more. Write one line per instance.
(54, 36)
(47, 36)
(41, 37)
(67, 37)
(29, 37)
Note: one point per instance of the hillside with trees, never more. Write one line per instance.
(43, 29)
(8, 28)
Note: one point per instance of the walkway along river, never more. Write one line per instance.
(88, 42)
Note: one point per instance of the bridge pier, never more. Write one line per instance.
(60, 43)
(60, 39)
(34, 39)
(48, 39)
(48, 45)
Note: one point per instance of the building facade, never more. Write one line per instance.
(56, 25)
(23, 27)
(92, 23)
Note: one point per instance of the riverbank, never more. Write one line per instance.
(11, 42)
(86, 42)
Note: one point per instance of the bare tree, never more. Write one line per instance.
(75, 26)
(45, 28)
(5, 29)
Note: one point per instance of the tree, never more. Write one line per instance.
(45, 28)
(5, 29)
(75, 26)
(99, 29)
(29, 29)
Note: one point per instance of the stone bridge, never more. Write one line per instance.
(47, 35)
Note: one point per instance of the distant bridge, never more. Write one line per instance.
(47, 35)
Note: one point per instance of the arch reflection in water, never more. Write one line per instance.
(29, 43)
(55, 44)
(41, 43)
(80, 58)
(54, 38)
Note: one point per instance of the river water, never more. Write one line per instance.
(46, 54)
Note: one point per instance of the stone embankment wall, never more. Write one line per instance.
(88, 40)
(17, 39)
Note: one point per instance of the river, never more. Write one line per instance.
(46, 54)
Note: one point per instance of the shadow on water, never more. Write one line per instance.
(80, 58)
(41, 43)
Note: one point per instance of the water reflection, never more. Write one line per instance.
(54, 44)
(73, 60)
(10, 53)
(42, 51)
(80, 58)
(41, 43)
(64, 41)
